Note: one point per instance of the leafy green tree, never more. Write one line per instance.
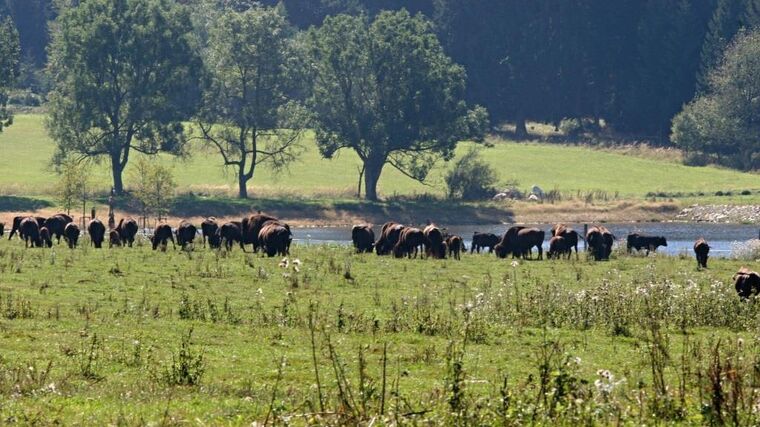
(9, 61)
(471, 178)
(724, 123)
(387, 91)
(72, 183)
(153, 186)
(248, 114)
(125, 75)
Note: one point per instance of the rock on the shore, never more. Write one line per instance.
(721, 214)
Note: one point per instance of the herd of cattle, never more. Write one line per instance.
(273, 237)
(401, 241)
(262, 231)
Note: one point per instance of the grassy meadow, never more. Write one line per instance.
(131, 337)
(26, 151)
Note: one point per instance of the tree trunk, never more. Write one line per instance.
(242, 184)
(521, 131)
(116, 171)
(372, 170)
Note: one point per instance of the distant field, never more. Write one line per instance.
(25, 152)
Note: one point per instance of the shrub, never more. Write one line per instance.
(571, 128)
(471, 178)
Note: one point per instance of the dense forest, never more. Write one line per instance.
(628, 66)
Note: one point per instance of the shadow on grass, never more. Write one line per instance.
(22, 204)
(346, 211)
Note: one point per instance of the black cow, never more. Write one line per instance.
(185, 234)
(209, 226)
(701, 251)
(97, 232)
(231, 232)
(747, 283)
(29, 230)
(161, 236)
(483, 240)
(275, 239)
(71, 234)
(128, 230)
(650, 243)
(363, 238)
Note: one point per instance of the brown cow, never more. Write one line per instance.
(363, 238)
(389, 236)
(747, 283)
(97, 232)
(559, 246)
(162, 235)
(701, 251)
(45, 237)
(185, 234)
(113, 239)
(209, 226)
(519, 241)
(455, 245)
(29, 230)
(71, 235)
(600, 241)
(128, 230)
(275, 239)
(410, 242)
(571, 236)
(250, 228)
(434, 245)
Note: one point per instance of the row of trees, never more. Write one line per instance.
(127, 73)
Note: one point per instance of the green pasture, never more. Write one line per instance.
(25, 152)
(94, 337)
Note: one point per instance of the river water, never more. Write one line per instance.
(680, 236)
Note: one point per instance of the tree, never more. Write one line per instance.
(387, 91)
(153, 186)
(9, 62)
(724, 123)
(471, 178)
(72, 183)
(248, 115)
(125, 75)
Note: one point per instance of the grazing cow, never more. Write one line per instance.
(650, 243)
(483, 240)
(559, 246)
(600, 241)
(363, 238)
(71, 234)
(229, 233)
(2, 229)
(128, 230)
(215, 240)
(97, 232)
(45, 237)
(571, 236)
(209, 226)
(161, 236)
(57, 225)
(434, 245)
(411, 241)
(519, 241)
(455, 244)
(114, 239)
(185, 234)
(701, 251)
(29, 230)
(250, 228)
(389, 236)
(275, 239)
(747, 283)
(16, 228)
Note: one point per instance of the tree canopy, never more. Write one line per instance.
(386, 90)
(9, 60)
(724, 123)
(248, 114)
(125, 75)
